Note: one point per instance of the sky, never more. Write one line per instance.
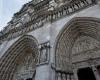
(8, 8)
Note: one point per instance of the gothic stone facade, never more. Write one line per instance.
(52, 40)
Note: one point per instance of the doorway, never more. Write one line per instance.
(29, 79)
(98, 69)
(86, 74)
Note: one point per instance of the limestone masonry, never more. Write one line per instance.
(52, 40)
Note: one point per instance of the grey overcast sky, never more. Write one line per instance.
(8, 8)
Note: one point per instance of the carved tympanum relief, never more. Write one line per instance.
(85, 43)
(84, 48)
(25, 68)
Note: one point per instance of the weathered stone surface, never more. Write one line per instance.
(59, 38)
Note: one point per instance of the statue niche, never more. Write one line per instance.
(44, 52)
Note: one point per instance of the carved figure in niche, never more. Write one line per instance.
(25, 18)
(28, 61)
(52, 5)
(36, 1)
(43, 56)
(44, 52)
(18, 25)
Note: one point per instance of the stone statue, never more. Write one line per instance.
(43, 56)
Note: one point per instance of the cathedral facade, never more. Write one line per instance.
(52, 40)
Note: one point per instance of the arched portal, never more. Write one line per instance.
(78, 44)
(19, 61)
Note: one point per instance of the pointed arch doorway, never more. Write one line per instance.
(78, 42)
(29, 79)
(19, 61)
(86, 74)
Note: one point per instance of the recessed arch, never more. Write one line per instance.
(78, 26)
(24, 46)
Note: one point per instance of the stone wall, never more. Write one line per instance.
(49, 32)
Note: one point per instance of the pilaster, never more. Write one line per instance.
(75, 74)
(43, 67)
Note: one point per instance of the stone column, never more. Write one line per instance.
(95, 72)
(68, 77)
(72, 77)
(43, 69)
(75, 74)
(63, 76)
(59, 76)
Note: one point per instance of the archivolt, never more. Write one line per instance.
(78, 26)
(8, 62)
